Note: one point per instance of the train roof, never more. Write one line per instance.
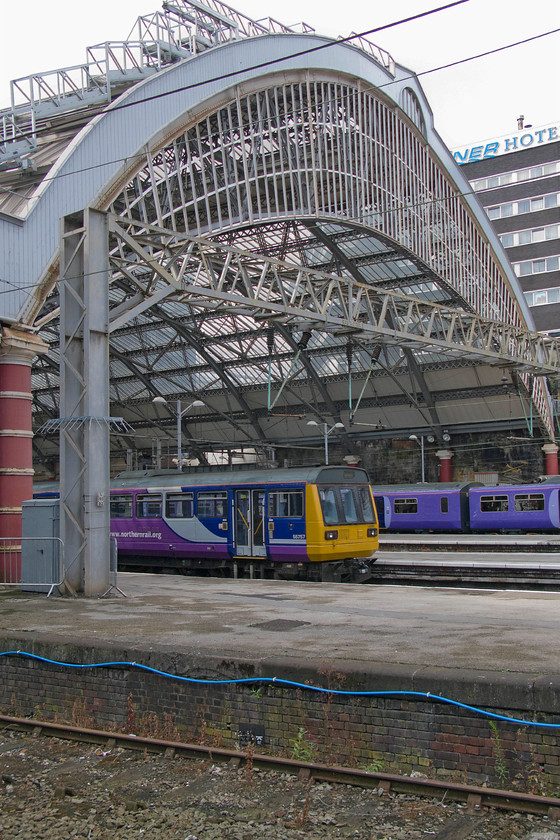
(297, 475)
(531, 487)
(425, 487)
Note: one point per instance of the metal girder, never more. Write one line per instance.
(215, 274)
(330, 405)
(84, 396)
(414, 368)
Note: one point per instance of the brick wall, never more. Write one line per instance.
(385, 734)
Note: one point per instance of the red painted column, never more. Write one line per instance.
(17, 350)
(445, 470)
(550, 459)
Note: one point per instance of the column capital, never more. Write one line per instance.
(444, 454)
(20, 346)
(550, 448)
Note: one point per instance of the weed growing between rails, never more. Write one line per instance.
(249, 762)
(500, 768)
(301, 748)
(335, 681)
(532, 775)
(301, 814)
(82, 716)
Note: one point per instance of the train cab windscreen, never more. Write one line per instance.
(346, 505)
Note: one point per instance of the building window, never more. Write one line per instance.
(525, 205)
(524, 269)
(541, 297)
(412, 108)
(504, 178)
(527, 237)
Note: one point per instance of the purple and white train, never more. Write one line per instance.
(464, 507)
(315, 523)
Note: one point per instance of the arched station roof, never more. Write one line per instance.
(349, 275)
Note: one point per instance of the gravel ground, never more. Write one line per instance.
(52, 788)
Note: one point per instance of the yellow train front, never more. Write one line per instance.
(311, 523)
(341, 523)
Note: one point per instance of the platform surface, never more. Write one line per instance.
(342, 624)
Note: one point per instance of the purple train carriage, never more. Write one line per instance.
(521, 507)
(422, 507)
(464, 507)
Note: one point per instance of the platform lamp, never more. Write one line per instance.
(326, 433)
(421, 445)
(180, 413)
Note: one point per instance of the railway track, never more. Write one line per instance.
(497, 561)
(491, 543)
(455, 575)
(474, 797)
(504, 561)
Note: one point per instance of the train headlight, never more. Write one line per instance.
(372, 532)
(331, 535)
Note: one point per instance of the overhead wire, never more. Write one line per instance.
(116, 106)
(352, 37)
(414, 206)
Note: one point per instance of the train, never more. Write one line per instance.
(469, 507)
(310, 523)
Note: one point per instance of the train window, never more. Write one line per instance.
(210, 505)
(348, 505)
(179, 506)
(405, 506)
(364, 499)
(494, 504)
(121, 507)
(529, 501)
(288, 503)
(444, 504)
(328, 505)
(148, 506)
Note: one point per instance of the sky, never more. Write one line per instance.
(475, 101)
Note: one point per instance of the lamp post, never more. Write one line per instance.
(326, 433)
(421, 445)
(180, 413)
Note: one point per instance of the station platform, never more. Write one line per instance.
(396, 635)
(422, 672)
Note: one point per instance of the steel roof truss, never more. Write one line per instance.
(324, 300)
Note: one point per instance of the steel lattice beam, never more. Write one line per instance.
(210, 274)
(84, 398)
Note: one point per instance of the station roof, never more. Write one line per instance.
(261, 373)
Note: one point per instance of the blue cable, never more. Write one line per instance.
(425, 695)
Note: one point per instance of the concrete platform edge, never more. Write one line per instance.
(529, 695)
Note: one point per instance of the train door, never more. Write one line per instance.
(249, 536)
(380, 508)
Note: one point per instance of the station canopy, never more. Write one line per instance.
(289, 244)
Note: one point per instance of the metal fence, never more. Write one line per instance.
(34, 564)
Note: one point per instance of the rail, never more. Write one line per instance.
(474, 797)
